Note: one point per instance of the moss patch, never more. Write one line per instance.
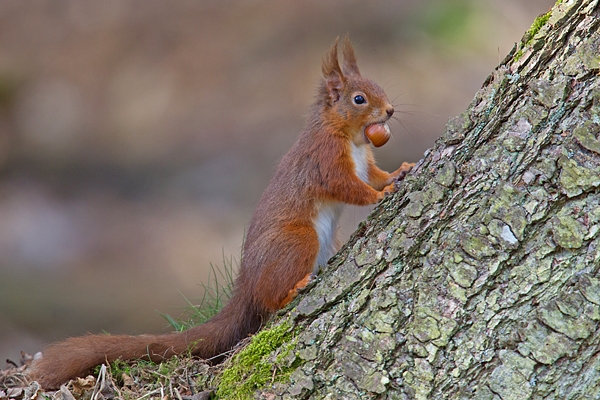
(538, 23)
(256, 366)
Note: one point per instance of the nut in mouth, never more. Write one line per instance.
(378, 133)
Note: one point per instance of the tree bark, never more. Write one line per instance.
(480, 277)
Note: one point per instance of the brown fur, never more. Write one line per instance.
(282, 243)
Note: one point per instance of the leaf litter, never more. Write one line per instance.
(179, 378)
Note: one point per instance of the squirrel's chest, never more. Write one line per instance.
(328, 213)
(361, 163)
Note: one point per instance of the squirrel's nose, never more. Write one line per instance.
(389, 111)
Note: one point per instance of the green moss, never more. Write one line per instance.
(252, 368)
(518, 55)
(538, 23)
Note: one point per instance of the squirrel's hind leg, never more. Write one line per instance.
(304, 282)
(293, 254)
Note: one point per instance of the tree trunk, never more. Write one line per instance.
(480, 277)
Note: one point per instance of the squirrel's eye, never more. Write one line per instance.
(359, 99)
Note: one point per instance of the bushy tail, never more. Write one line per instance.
(76, 356)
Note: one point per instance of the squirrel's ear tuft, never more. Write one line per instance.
(350, 67)
(334, 78)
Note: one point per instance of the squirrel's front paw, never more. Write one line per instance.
(401, 172)
(389, 189)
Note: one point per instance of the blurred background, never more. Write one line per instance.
(137, 136)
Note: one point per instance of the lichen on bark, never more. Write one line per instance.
(480, 277)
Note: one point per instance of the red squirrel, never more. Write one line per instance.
(292, 231)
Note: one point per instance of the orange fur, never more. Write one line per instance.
(294, 291)
(291, 232)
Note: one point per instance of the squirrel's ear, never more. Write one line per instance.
(350, 66)
(334, 78)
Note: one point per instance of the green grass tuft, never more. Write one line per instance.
(216, 293)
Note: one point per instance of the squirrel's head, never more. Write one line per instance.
(350, 101)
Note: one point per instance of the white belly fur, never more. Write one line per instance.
(328, 214)
(326, 224)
